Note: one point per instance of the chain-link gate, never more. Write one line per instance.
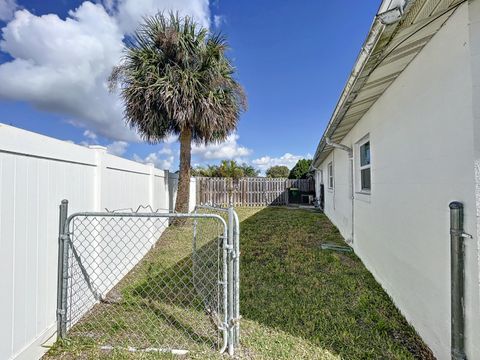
(153, 282)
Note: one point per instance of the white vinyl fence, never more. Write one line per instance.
(36, 173)
(173, 186)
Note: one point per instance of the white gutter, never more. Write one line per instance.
(393, 13)
(339, 146)
(374, 35)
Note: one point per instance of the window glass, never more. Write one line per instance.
(365, 154)
(364, 174)
(365, 179)
(330, 175)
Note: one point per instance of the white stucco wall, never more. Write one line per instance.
(422, 155)
(338, 202)
(474, 32)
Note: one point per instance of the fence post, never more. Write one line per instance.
(457, 273)
(100, 152)
(236, 242)
(286, 192)
(62, 271)
(151, 184)
(231, 325)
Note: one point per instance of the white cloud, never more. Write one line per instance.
(90, 135)
(117, 148)
(157, 159)
(7, 8)
(61, 65)
(163, 158)
(218, 20)
(227, 150)
(130, 12)
(288, 160)
(170, 139)
(165, 151)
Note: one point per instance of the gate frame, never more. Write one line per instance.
(234, 272)
(230, 327)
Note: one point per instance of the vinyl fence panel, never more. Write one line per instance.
(36, 173)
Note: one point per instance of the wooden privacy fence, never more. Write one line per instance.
(249, 191)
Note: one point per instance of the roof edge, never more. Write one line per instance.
(376, 30)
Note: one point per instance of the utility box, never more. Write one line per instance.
(294, 195)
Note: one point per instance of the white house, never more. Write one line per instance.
(402, 143)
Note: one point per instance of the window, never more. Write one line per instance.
(330, 175)
(365, 167)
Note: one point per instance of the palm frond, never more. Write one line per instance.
(175, 75)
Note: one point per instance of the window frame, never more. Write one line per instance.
(359, 168)
(331, 180)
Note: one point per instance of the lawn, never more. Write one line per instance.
(297, 300)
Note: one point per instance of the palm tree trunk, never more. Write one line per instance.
(183, 193)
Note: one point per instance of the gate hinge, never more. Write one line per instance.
(65, 237)
(61, 312)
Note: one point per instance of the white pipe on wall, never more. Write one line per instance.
(350, 156)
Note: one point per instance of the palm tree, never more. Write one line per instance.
(175, 78)
(230, 169)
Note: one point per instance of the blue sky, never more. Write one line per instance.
(292, 57)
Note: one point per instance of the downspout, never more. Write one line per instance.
(317, 200)
(350, 157)
(340, 147)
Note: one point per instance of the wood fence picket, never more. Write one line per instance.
(249, 191)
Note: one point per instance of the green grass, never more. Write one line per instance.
(297, 301)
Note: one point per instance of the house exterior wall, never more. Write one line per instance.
(422, 158)
(474, 32)
(338, 202)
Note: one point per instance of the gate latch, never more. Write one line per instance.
(235, 321)
(460, 233)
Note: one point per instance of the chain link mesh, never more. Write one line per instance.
(224, 213)
(135, 282)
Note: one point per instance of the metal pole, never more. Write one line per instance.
(194, 250)
(457, 273)
(61, 310)
(237, 278)
(230, 282)
(225, 289)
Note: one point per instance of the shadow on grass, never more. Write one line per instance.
(168, 300)
(327, 298)
(191, 282)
